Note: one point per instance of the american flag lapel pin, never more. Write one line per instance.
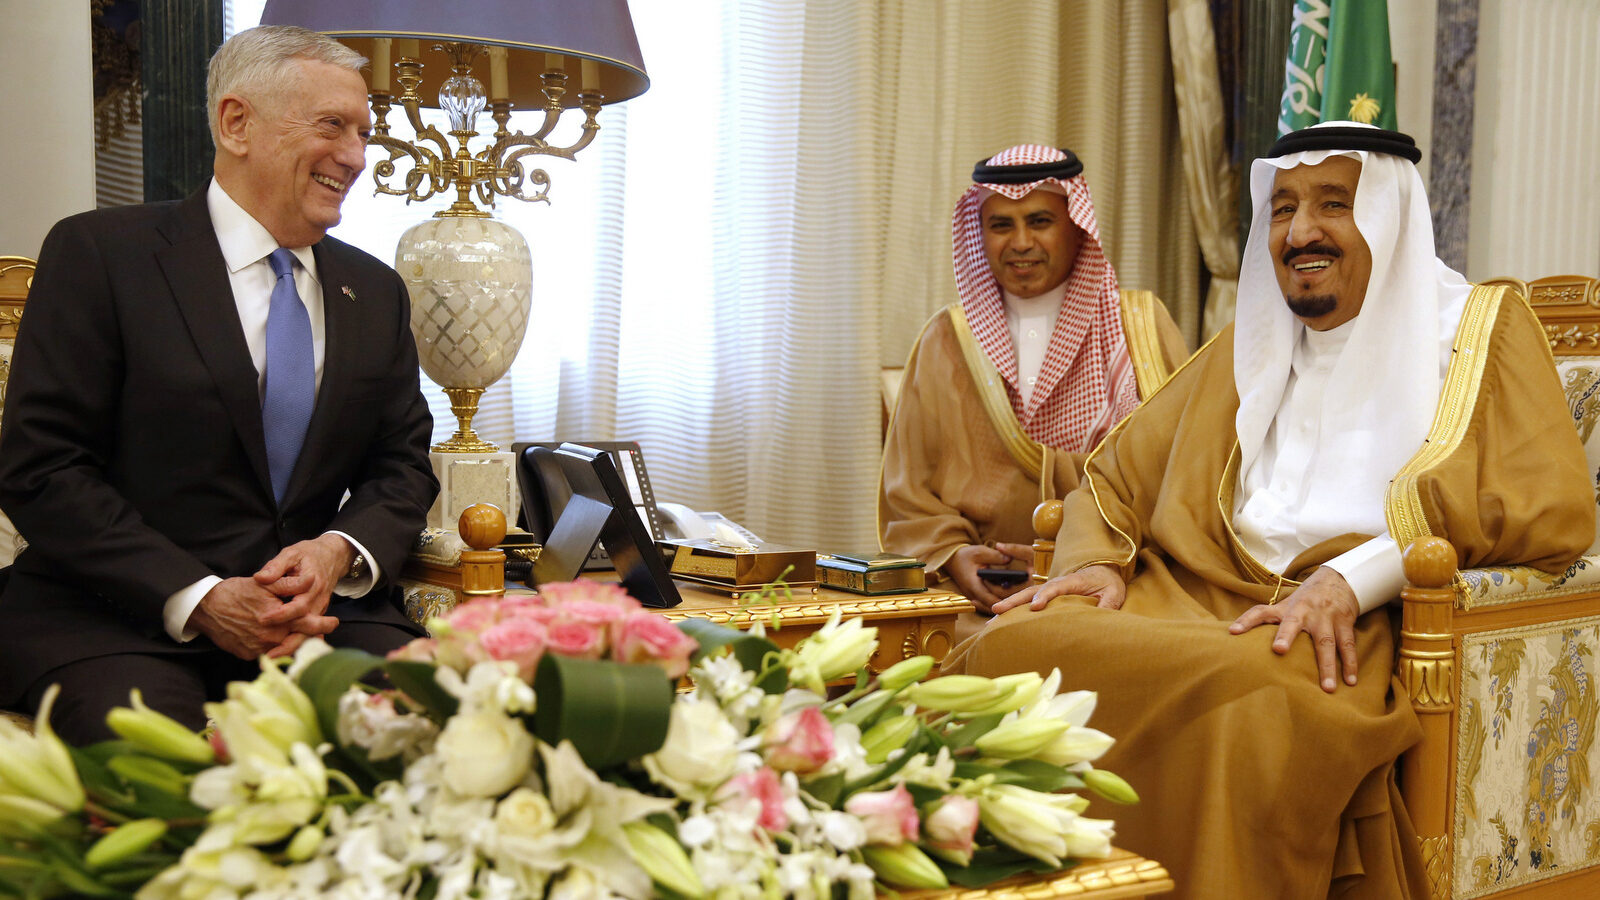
(345, 289)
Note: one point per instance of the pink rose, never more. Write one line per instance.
(563, 592)
(889, 816)
(800, 742)
(533, 612)
(473, 616)
(519, 640)
(591, 612)
(416, 650)
(647, 637)
(950, 826)
(575, 639)
(763, 787)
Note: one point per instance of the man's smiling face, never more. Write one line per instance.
(1030, 243)
(1322, 261)
(307, 147)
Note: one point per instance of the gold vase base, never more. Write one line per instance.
(465, 443)
(464, 404)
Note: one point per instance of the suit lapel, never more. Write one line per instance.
(198, 277)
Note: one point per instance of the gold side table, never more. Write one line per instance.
(908, 624)
(1120, 876)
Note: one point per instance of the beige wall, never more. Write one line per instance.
(47, 136)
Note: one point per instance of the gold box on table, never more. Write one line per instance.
(741, 569)
(871, 573)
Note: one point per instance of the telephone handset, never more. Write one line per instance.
(679, 521)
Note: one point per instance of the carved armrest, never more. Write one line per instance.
(445, 569)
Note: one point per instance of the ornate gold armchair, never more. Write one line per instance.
(16, 276)
(1500, 664)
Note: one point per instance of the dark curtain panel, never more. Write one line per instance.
(179, 37)
(1260, 30)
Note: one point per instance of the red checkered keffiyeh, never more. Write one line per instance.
(1086, 384)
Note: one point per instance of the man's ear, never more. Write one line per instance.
(233, 124)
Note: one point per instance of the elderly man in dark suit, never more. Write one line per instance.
(214, 440)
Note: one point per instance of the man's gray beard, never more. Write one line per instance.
(1313, 307)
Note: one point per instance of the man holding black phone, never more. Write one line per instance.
(1008, 389)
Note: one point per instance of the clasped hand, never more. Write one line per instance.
(282, 604)
(963, 566)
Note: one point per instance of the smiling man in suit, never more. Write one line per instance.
(214, 441)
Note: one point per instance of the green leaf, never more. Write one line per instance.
(826, 788)
(1040, 776)
(968, 733)
(327, 678)
(992, 864)
(325, 681)
(416, 681)
(611, 711)
(750, 650)
(972, 771)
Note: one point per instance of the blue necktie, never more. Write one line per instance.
(290, 390)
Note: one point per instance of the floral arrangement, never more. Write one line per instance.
(536, 747)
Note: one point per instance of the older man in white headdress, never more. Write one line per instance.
(1272, 482)
(1006, 390)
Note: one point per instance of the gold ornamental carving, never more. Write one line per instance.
(1573, 336)
(1427, 681)
(937, 642)
(1436, 865)
(804, 613)
(910, 646)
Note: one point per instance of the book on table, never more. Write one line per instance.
(871, 573)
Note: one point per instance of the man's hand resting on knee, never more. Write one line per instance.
(963, 566)
(1324, 607)
(1103, 583)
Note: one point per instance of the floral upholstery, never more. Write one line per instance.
(1525, 808)
(1526, 805)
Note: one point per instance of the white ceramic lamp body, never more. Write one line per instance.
(470, 281)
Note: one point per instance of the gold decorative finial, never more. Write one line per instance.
(1364, 109)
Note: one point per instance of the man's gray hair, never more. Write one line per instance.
(252, 63)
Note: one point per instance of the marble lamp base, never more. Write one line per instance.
(468, 478)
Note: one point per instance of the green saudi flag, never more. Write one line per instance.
(1338, 65)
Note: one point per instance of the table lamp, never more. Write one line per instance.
(470, 274)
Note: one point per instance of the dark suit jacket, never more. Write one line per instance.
(132, 457)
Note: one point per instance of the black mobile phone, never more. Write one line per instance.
(1003, 576)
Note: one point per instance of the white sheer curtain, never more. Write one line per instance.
(722, 274)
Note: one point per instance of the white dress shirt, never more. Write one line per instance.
(246, 244)
(1032, 320)
(1271, 496)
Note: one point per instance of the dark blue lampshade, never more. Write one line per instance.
(576, 30)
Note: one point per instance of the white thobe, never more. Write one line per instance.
(1272, 494)
(1032, 320)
